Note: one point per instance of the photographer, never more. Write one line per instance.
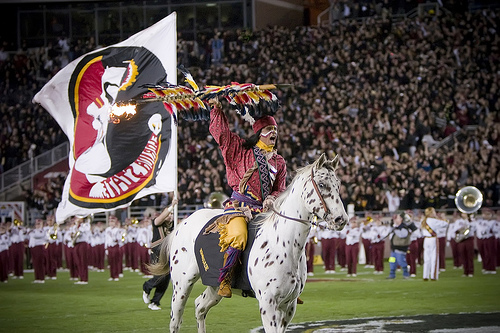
(400, 241)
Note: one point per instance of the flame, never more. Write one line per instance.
(122, 110)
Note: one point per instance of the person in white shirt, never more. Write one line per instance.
(464, 230)
(52, 232)
(378, 234)
(496, 231)
(69, 249)
(431, 226)
(131, 245)
(485, 237)
(112, 238)
(366, 240)
(341, 248)
(18, 235)
(413, 249)
(353, 235)
(393, 200)
(143, 245)
(312, 239)
(441, 236)
(81, 249)
(328, 239)
(37, 248)
(4, 253)
(451, 240)
(98, 246)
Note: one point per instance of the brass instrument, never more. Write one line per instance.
(468, 199)
(53, 234)
(18, 223)
(461, 234)
(75, 237)
(215, 200)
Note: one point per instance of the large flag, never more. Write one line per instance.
(111, 162)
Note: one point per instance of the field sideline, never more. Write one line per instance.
(103, 306)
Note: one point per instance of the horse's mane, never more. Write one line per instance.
(279, 200)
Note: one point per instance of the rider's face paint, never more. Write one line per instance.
(269, 135)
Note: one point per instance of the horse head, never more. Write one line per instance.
(322, 195)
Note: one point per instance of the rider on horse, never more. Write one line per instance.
(257, 175)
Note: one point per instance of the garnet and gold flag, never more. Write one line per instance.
(115, 161)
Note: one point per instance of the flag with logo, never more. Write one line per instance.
(116, 161)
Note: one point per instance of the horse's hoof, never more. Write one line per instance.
(299, 301)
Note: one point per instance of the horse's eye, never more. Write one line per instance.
(321, 185)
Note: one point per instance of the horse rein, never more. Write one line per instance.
(314, 221)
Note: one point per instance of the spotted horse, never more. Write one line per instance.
(277, 262)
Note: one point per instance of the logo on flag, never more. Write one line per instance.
(113, 163)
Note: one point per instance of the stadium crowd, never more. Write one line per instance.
(382, 95)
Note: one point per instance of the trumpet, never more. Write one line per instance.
(53, 234)
(18, 223)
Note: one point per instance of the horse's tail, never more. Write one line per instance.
(162, 265)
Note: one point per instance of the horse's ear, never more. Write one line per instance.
(318, 164)
(335, 162)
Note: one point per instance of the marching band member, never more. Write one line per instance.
(143, 244)
(98, 246)
(431, 226)
(378, 233)
(496, 231)
(112, 238)
(328, 239)
(4, 253)
(37, 248)
(485, 225)
(310, 250)
(81, 240)
(450, 239)
(413, 249)
(465, 243)
(69, 249)
(131, 244)
(52, 234)
(17, 248)
(341, 250)
(441, 236)
(353, 235)
(366, 240)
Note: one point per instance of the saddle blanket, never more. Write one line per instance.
(210, 259)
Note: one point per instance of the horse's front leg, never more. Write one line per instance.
(276, 315)
(203, 303)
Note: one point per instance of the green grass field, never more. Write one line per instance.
(102, 306)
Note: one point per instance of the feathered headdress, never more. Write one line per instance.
(250, 101)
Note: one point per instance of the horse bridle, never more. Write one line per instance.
(314, 221)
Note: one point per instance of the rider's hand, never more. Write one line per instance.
(268, 203)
